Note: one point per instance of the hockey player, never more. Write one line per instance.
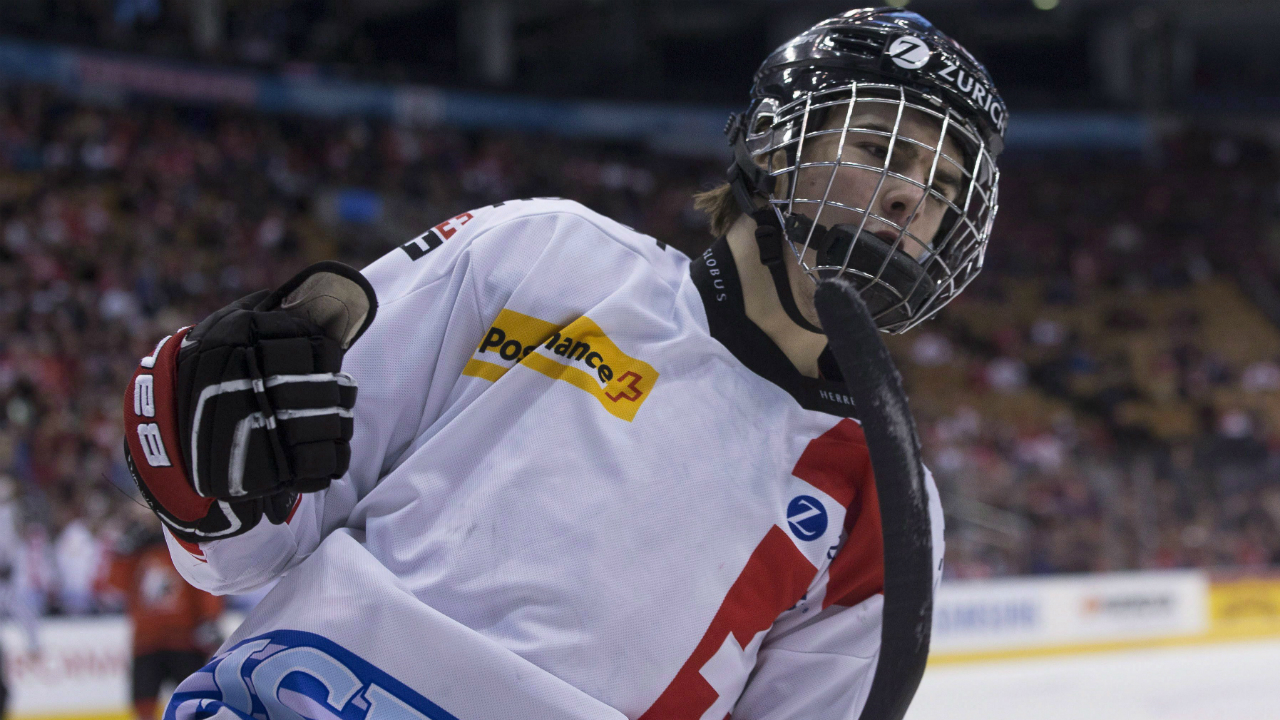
(174, 625)
(586, 477)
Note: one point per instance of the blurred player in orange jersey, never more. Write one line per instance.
(174, 625)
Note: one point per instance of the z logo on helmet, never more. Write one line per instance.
(909, 52)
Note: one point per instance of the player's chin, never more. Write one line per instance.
(804, 300)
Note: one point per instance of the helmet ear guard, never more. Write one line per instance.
(747, 179)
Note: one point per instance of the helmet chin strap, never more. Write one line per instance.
(769, 238)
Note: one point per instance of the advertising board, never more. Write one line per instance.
(1245, 607)
(985, 615)
(81, 671)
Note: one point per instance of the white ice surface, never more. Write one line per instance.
(1237, 681)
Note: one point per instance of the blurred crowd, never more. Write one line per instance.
(1107, 395)
(1104, 396)
(119, 225)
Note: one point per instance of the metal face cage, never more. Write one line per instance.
(820, 187)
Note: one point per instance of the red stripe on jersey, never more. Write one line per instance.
(836, 462)
(857, 572)
(775, 578)
(839, 462)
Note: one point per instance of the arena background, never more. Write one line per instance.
(1101, 408)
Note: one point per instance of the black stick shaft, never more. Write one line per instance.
(881, 404)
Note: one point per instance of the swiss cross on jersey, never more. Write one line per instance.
(832, 474)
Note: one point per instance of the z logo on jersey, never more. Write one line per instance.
(290, 674)
(807, 517)
(580, 354)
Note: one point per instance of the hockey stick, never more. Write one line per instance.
(876, 389)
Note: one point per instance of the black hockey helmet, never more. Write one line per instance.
(898, 59)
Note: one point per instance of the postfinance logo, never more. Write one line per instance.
(579, 354)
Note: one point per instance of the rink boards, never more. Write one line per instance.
(1021, 617)
(1033, 644)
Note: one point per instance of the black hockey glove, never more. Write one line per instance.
(228, 421)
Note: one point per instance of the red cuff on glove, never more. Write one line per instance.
(151, 430)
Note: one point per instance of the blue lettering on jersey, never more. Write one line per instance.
(807, 517)
(292, 675)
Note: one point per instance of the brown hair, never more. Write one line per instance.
(721, 209)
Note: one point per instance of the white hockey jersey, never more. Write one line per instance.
(576, 457)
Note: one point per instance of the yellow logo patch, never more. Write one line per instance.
(579, 354)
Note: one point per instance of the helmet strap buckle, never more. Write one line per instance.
(767, 237)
